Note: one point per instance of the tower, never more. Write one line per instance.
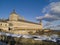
(40, 22)
(13, 16)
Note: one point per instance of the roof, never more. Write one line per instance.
(4, 20)
(29, 22)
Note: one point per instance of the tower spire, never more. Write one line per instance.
(40, 22)
(13, 12)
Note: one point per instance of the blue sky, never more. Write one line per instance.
(29, 9)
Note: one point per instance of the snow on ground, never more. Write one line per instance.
(53, 37)
(27, 36)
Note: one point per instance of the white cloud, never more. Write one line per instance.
(48, 17)
(51, 12)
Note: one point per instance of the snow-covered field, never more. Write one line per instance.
(53, 38)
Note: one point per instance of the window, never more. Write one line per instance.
(10, 24)
(10, 28)
(5, 24)
(0, 29)
(0, 24)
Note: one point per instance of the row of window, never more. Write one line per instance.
(10, 24)
(3, 24)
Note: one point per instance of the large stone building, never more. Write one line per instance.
(18, 25)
